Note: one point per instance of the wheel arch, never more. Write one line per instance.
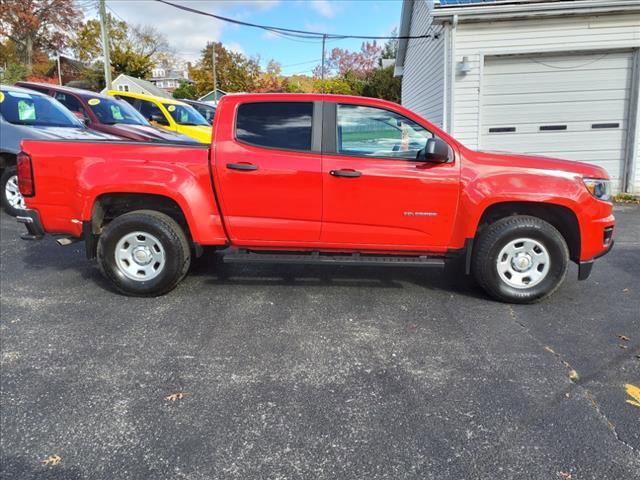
(108, 206)
(7, 159)
(561, 217)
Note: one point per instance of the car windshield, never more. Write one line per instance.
(186, 115)
(22, 108)
(110, 111)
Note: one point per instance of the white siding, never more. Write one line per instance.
(474, 40)
(423, 77)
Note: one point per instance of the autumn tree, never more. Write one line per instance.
(37, 25)
(132, 48)
(234, 71)
(341, 61)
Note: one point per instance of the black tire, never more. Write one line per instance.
(177, 254)
(7, 174)
(496, 236)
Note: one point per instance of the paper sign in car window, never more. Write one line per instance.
(94, 101)
(171, 108)
(184, 117)
(26, 110)
(1, 97)
(116, 113)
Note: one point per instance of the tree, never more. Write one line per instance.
(38, 25)
(133, 48)
(341, 61)
(234, 71)
(186, 90)
(381, 83)
(390, 49)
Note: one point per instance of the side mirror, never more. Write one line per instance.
(435, 151)
(157, 118)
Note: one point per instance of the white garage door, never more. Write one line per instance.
(573, 106)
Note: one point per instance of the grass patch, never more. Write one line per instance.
(626, 198)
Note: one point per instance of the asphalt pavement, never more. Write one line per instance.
(298, 372)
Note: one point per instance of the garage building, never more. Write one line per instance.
(555, 78)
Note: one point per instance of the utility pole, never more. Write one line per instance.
(59, 70)
(104, 29)
(324, 39)
(215, 80)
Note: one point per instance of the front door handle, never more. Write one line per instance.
(242, 166)
(345, 173)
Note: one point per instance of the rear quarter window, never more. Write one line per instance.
(280, 125)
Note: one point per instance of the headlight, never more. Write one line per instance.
(599, 188)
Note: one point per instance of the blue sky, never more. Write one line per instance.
(188, 33)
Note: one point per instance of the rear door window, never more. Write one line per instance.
(72, 103)
(280, 125)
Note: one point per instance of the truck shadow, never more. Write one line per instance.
(211, 269)
(216, 272)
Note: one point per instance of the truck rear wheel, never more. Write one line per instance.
(520, 259)
(12, 199)
(144, 253)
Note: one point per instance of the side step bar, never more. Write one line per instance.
(322, 258)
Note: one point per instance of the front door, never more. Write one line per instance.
(268, 170)
(376, 194)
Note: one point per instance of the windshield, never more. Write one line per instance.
(186, 115)
(22, 108)
(111, 111)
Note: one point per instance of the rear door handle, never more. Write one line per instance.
(242, 166)
(345, 173)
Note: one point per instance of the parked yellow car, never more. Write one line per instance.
(168, 114)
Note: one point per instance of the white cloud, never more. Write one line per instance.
(234, 47)
(188, 33)
(323, 7)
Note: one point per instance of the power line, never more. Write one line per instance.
(289, 31)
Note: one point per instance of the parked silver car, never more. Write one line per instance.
(28, 114)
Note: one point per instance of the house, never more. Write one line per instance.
(169, 77)
(70, 70)
(211, 97)
(557, 78)
(125, 83)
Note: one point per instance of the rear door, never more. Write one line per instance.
(268, 169)
(376, 194)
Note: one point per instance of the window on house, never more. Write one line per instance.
(284, 125)
(123, 88)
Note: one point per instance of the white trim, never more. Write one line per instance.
(446, 87)
(632, 162)
(480, 82)
(452, 96)
(527, 10)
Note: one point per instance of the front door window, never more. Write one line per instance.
(374, 132)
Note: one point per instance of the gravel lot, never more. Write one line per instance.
(315, 373)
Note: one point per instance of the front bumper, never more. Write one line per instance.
(584, 267)
(31, 220)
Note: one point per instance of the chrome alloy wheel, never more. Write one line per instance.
(140, 256)
(523, 263)
(13, 195)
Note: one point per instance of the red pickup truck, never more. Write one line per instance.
(322, 179)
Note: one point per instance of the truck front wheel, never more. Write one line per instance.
(144, 253)
(520, 259)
